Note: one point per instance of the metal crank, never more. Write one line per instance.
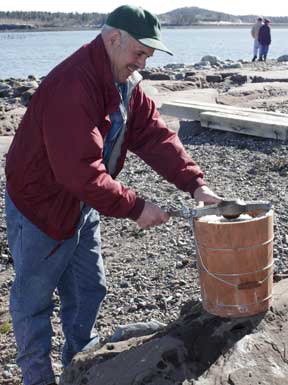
(229, 209)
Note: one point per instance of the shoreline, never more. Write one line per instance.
(174, 71)
(257, 85)
(96, 28)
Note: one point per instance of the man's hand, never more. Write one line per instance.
(152, 215)
(204, 194)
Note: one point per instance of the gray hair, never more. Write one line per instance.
(124, 35)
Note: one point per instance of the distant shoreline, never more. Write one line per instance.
(81, 28)
(220, 25)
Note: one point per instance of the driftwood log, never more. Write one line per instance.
(198, 348)
(265, 124)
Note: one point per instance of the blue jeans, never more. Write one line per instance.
(42, 264)
(264, 50)
(256, 47)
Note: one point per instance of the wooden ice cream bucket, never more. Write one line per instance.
(235, 261)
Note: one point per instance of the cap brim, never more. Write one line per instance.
(156, 44)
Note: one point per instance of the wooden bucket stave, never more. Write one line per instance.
(235, 262)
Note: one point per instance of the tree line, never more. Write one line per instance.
(53, 19)
(178, 17)
(194, 15)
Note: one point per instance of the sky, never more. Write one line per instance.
(234, 7)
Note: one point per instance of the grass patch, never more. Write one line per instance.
(5, 328)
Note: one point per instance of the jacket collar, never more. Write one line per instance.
(102, 65)
(103, 68)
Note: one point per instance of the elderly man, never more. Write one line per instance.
(61, 169)
(254, 32)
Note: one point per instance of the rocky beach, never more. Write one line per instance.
(152, 274)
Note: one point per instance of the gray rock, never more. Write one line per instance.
(10, 120)
(26, 96)
(214, 78)
(14, 83)
(159, 76)
(4, 86)
(145, 74)
(31, 84)
(5, 90)
(18, 91)
(124, 284)
(32, 77)
(258, 79)
(239, 79)
(211, 59)
(193, 79)
(189, 73)
(94, 344)
(282, 58)
(179, 76)
(175, 66)
(124, 332)
(199, 348)
(228, 74)
(233, 65)
(203, 65)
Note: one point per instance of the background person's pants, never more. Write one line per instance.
(42, 264)
(263, 51)
(256, 47)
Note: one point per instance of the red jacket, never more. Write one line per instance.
(55, 159)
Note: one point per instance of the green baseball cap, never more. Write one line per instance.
(140, 24)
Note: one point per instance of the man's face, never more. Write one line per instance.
(128, 56)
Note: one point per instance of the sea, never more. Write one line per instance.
(36, 53)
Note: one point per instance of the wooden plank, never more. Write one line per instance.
(245, 125)
(191, 110)
(229, 108)
(230, 118)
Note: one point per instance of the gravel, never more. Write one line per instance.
(152, 273)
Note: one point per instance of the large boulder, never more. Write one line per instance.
(213, 60)
(27, 96)
(199, 348)
(5, 90)
(282, 58)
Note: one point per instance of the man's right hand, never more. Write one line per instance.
(152, 215)
(204, 194)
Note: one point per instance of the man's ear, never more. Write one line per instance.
(115, 38)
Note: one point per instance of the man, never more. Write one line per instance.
(254, 33)
(264, 38)
(61, 168)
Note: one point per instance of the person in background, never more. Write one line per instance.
(254, 32)
(61, 174)
(264, 38)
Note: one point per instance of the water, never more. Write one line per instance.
(25, 53)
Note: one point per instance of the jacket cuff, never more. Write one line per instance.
(197, 183)
(135, 213)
